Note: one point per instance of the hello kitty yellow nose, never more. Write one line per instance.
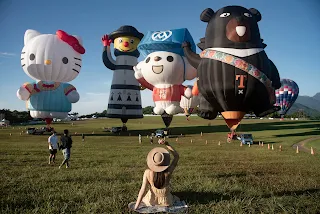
(47, 62)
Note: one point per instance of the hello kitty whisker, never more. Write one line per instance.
(75, 70)
(77, 58)
(77, 64)
(22, 58)
(23, 52)
(23, 65)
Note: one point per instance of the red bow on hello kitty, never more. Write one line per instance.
(71, 40)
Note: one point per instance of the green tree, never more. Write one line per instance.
(148, 110)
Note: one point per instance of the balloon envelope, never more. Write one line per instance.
(189, 105)
(166, 118)
(286, 95)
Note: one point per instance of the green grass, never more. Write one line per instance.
(314, 144)
(106, 170)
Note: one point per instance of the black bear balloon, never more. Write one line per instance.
(235, 75)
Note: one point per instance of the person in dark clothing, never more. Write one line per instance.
(66, 144)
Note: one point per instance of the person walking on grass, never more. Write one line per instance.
(157, 177)
(53, 146)
(66, 144)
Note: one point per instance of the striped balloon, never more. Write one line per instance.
(286, 95)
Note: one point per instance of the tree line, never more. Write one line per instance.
(24, 116)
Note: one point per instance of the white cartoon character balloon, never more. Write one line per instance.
(52, 61)
(163, 73)
(165, 69)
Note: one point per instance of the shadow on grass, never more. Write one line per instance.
(314, 132)
(189, 130)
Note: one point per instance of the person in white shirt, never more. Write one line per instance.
(53, 146)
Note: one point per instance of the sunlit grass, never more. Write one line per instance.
(106, 170)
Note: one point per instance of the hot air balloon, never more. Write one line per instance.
(286, 95)
(188, 105)
(235, 75)
(52, 61)
(164, 69)
(125, 98)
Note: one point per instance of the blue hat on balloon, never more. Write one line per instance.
(168, 40)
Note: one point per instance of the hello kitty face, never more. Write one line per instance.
(49, 57)
(166, 68)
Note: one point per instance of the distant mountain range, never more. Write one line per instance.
(310, 105)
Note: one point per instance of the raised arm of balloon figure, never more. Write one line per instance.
(139, 76)
(193, 58)
(108, 61)
(25, 91)
(71, 92)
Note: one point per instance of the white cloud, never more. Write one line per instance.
(6, 54)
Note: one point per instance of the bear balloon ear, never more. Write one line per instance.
(255, 13)
(206, 15)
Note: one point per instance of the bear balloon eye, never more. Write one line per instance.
(148, 59)
(65, 60)
(120, 40)
(247, 14)
(225, 15)
(169, 58)
(32, 57)
(132, 41)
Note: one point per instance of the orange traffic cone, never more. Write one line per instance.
(201, 134)
(272, 147)
(206, 142)
(240, 144)
(297, 151)
(262, 143)
(219, 144)
(312, 152)
(280, 148)
(259, 143)
(269, 146)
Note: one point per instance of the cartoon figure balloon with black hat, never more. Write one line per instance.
(125, 98)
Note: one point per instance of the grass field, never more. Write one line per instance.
(106, 170)
(314, 144)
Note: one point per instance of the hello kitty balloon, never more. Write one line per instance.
(52, 61)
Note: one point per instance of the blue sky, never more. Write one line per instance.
(290, 28)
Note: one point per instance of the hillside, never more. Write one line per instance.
(309, 111)
(317, 96)
(310, 102)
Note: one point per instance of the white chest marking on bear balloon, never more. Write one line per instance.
(239, 52)
(241, 30)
